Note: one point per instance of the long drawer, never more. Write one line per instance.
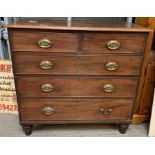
(76, 86)
(75, 109)
(77, 64)
(44, 41)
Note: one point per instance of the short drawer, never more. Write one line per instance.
(43, 41)
(71, 86)
(113, 42)
(77, 65)
(75, 109)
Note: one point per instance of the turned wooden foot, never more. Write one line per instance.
(27, 128)
(123, 127)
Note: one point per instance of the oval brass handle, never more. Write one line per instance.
(46, 64)
(111, 66)
(106, 110)
(113, 44)
(44, 43)
(108, 88)
(48, 110)
(47, 87)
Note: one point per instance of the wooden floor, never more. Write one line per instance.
(9, 126)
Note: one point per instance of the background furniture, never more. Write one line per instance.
(152, 121)
(143, 107)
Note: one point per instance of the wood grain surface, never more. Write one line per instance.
(75, 109)
(77, 25)
(97, 42)
(64, 64)
(28, 41)
(76, 86)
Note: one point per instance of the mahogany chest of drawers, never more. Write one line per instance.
(85, 72)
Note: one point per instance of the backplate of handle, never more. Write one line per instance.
(48, 110)
(106, 111)
(47, 87)
(44, 43)
(108, 88)
(45, 64)
(113, 44)
(111, 66)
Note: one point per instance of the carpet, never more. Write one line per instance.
(9, 127)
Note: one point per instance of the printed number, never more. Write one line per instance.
(4, 107)
(15, 108)
(0, 107)
(11, 107)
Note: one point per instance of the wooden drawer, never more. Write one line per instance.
(28, 41)
(77, 65)
(75, 109)
(97, 42)
(71, 86)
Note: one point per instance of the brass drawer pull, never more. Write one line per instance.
(113, 44)
(46, 64)
(106, 111)
(47, 87)
(48, 110)
(108, 88)
(44, 43)
(111, 66)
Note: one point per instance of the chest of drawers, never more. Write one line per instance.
(86, 72)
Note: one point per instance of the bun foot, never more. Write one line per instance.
(27, 128)
(123, 127)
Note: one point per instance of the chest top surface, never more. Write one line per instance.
(77, 25)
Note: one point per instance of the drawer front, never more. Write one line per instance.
(77, 65)
(69, 86)
(75, 109)
(43, 41)
(113, 42)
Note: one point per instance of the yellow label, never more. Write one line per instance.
(8, 103)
